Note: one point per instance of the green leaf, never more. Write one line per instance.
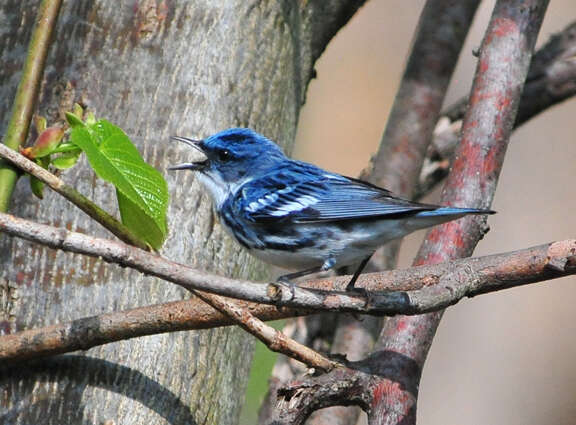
(74, 121)
(66, 147)
(37, 187)
(141, 224)
(66, 159)
(142, 191)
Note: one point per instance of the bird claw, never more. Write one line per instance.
(351, 289)
(283, 281)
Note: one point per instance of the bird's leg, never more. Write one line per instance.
(357, 273)
(288, 278)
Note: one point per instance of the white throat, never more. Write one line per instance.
(219, 190)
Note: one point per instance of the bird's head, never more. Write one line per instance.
(230, 158)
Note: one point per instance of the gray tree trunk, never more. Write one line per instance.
(155, 68)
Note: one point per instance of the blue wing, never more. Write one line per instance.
(303, 193)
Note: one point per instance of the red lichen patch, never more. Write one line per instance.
(430, 258)
(400, 326)
(492, 164)
(504, 102)
(392, 396)
(502, 27)
(445, 242)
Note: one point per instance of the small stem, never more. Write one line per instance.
(272, 338)
(386, 293)
(480, 275)
(68, 192)
(27, 93)
(501, 71)
(550, 81)
(441, 33)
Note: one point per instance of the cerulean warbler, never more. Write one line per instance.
(296, 215)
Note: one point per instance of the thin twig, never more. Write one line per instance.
(68, 192)
(441, 32)
(272, 338)
(422, 286)
(551, 80)
(88, 332)
(27, 93)
(392, 292)
(502, 68)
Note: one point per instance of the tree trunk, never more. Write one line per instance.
(155, 68)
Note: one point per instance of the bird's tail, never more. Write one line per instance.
(452, 211)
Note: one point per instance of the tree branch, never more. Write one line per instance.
(360, 384)
(442, 30)
(416, 289)
(27, 93)
(551, 80)
(88, 332)
(272, 338)
(386, 293)
(325, 18)
(57, 185)
(502, 68)
(438, 40)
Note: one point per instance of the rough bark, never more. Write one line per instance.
(502, 69)
(156, 68)
(404, 341)
(441, 32)
(440, 35)
(412, 291)
(551, 80)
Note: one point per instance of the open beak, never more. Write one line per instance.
(196, 144)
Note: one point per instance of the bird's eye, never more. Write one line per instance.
(224, 155)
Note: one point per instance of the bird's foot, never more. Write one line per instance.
(287, 283)
(351, 289)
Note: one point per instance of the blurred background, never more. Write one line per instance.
(507, 357)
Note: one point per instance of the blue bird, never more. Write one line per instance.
(296, 215)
